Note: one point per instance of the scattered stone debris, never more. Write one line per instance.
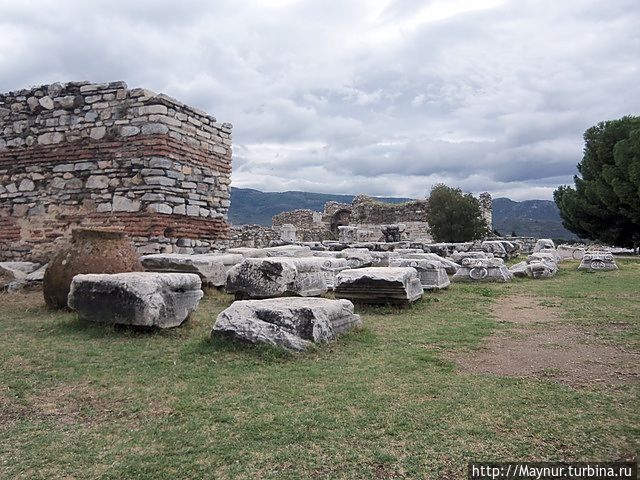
(544, 243)
(257, 278)
(290, 323)
(570, 252)
(597, 261)
(145, 299)
(17, 275)
(379, 285)
(482, 270)
(432, 273)
(212, 268)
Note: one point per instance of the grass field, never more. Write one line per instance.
(84, 401)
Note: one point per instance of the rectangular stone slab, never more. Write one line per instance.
(145, 299)
(212, 268)
(379, 285)
(482, 270)
(432, 273)
(290, 323)
(260, 278)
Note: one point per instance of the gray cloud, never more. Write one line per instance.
(385, 97)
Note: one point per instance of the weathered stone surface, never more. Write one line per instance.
(124, 204)
(275, 277)
(289, 251)
(496, 248)
(330, 267)
(542, 256)
(432, 273)
(248, 252)
(379, 285)
(97, 181)
(569, 252)
(146, 299)
(288, 233)
(482, 270)
(544, 243)
(356, 257)
(540, 269)
(458, 257)
(450, 266)
(211, 268)
(17, 280)
(290, 323)
(393, 232)
(13, 274)
(382, 259)
(20, 267)
(597, 261)
(347, 234)
(519, 269)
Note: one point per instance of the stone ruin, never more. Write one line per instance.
(84, 154)
(364, 220)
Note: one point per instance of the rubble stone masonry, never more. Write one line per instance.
(106, 155)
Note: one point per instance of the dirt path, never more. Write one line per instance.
(544, 346)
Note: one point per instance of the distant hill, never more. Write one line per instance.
(536, 218)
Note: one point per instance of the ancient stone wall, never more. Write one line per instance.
(368, 211)
(299, 218)
(486, 205)
(102, 154)
(254, 236)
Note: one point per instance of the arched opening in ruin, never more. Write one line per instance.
(340, 218)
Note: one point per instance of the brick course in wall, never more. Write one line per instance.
(102, 154)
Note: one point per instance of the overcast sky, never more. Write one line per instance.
(384, 97)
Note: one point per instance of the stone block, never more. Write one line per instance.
(379, 285)
(145, 299)
(275, 277)
(432, 273)
(211, 268)
(598, 261)
(482, 270)
(290, 323)
(124, 204)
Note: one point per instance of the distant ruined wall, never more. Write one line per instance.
(102, 154)
(486, 205)
(254, 236)
(301, 218)
(369, 215)
(368, 211)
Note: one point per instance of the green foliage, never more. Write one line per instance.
(455, 216)
(605, 203)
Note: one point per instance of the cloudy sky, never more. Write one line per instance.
(384, 97)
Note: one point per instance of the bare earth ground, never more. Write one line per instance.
(543, 345)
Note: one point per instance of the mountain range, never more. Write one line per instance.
(535, 218)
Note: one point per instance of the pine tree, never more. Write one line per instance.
(605, 203)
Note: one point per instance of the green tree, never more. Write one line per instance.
(454, 216)
(605, 203)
